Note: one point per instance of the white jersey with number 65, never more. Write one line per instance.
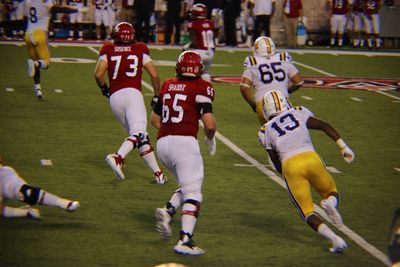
(268, 74)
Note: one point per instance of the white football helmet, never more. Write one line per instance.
(274, 102)
(264, 47)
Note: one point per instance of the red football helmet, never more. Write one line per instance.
(199, 11)
(124, 33)
(189, 64)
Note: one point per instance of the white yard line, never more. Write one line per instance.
(350, 233)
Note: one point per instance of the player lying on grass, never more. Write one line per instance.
(12, 186)
(287, 140)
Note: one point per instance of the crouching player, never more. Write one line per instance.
(287, 140)
(12, 186)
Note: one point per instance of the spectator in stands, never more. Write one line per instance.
(127, 12)
(143, 11)
(293, 14)
(174, 18)
(263, 11)
(372, 22)
(340, 10)
(112, 11)
(75, 19)
(101, 17)
(231, 9)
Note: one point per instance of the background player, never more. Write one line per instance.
(123, 61)
(288, 143)
(201, 32)
(340, 9)
(12, 186)
(372, 22)
(183, 101)
(38, 13)
(76, 19)
(267, 70)
(101, 17)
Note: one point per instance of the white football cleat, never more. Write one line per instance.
(332, 212)
(31, 68)
(34, 214)
(186, 246)
(73, 206)
(338, 245)
(39, 94)
(163, 226)
(160, 178)
(116, 162)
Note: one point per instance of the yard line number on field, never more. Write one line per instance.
(346, 230)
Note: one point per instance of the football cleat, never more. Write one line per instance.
(332, 212)
(186, 246)
(116, 162)
(338, 245)
(73, 206)
(31, 68)
(163, 225)
(160, 178)
(34, 214)
(39, 94)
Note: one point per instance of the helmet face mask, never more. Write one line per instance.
(274, 102)
(189, 64)
(264, 47)
(124, 33)
(199, 11)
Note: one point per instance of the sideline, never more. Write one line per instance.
(347, 231)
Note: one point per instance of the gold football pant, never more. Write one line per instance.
(37, 45)
(300, 172)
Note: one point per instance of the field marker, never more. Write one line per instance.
(58, 91)
(249, 165)
(9, 89)
(307, 97)
(230, 51)
(356, 99)
(46, 162)
(397, 169)
(314, 69)
(350, 233)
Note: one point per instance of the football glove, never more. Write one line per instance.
(154, 101)
(347, 153)
(212, 145)
(105, 90)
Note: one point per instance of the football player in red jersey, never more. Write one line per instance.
(184, 100)
(124, 61)
(201, 32)
(340, 9)
(372, 22)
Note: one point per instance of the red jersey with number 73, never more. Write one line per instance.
(125, 63)
(180, 111)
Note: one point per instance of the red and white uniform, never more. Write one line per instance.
(125, 63)
(203, 30)
(358, 15)
(177, 145)
(371, 17)
(338, 19)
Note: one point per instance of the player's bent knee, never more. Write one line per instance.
(30, 194)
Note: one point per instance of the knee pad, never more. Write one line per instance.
(144, 145)
(194, 212)
(30, 194)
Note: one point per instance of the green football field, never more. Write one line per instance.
(246, 218)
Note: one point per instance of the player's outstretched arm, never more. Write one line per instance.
(99, 73)
(247, 93)
(297, 82)
(155, 79)
(210, 128)
(317, 124)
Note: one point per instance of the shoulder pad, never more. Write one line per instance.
(249, 61)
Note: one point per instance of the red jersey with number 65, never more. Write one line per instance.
(204, 33)
(125, 63)
(180, 105)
